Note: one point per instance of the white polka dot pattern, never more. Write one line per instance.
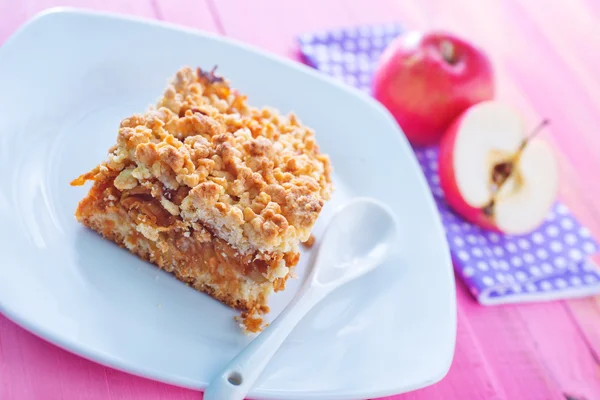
(547, 263)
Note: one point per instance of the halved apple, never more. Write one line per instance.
(493, 173)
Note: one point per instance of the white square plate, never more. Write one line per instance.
(67, 78)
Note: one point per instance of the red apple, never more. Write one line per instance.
(426, 81)
(493, 173)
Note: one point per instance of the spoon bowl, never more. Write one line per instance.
(357, 239)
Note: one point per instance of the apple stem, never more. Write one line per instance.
(545, 122)
(448, 53)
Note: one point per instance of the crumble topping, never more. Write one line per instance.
(253, 176)
(310, 242)
(251, 322)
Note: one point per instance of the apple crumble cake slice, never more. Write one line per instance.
(215, 191)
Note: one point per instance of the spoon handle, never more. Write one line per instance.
(235, 381)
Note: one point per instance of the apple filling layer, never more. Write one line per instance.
(136, 220)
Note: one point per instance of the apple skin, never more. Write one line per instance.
(454, 198)
(425, 92)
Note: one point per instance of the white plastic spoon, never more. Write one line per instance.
(357, 239)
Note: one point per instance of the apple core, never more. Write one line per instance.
(505, 169)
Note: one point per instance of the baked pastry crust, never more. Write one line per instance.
(207, 187)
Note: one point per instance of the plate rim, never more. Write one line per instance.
(112, 361)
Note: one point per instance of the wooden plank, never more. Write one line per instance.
(573, 111)
(274, 25)
(191, 13)
(509, 349)
(199, 14)
(495, 359)
(14, 13)
(470, 376)
(473, 374)
(587, 314)
(31, 368)
(124, 386)
(571, 32)
(566, 355)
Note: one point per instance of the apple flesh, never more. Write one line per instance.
(493, 174)
(426, 81)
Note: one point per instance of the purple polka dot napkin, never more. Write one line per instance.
(550, 263)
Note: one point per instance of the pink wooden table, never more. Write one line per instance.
(547, 62)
